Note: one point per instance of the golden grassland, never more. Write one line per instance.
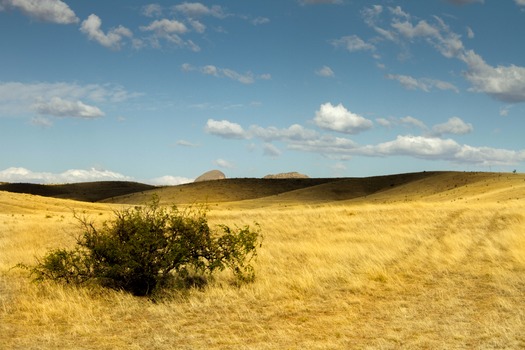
(428, 264)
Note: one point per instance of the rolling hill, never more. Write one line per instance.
(433, 186)
(419, 261)
(85, 191)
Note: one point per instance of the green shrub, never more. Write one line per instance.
(145, 248)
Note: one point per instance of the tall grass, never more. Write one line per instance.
(401, 275)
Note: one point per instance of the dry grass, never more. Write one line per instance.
(426, 273)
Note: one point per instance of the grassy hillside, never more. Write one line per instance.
(429, 261)
(398, 187)
(85, 191)
(216, 191)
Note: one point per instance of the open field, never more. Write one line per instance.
(427, 260)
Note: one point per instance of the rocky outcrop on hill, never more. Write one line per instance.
(211, 175)
(291, 175)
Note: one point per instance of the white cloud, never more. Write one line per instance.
(339, 168)
(384, 122)
(113, 39)
(505, 83)
(488, 156)
(408, 82)
(152, 10)
(197, 26)
(422, 29)
(520, 2)
(165, 27)
(470, 33)
(20, 99)
(338, 118)
(418, 146)
(429, 147)
(454, 126)
(224, 164)
(41, 121)
(169, 180)
(196, 9)
(504, 111)
(271, 150)
(326, 145)
(225, 129)
(352, 43)
(185, 143)
(246, 78)
(69, 176)
(371, 17)
(63, 108)
(398, 12)
(55, 11)
(408, 120)
(18, 174)
(294, 133)
(325, 71)
(260, 20)
(169, 30)
(424, 84)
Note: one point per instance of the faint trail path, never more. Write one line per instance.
(455, 276)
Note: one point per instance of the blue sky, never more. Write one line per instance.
(162, 92)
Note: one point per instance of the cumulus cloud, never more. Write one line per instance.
(166, 26)
(520, 2)
(294, 133)
(19, 174)
(169, 180)
(454, 126)
(352, 43)
(505, 83)
(21, 98)
(225, 129)
(488, 156)
(169, 30)
(112, 39)
(417, 146)
(246, 78)
(63, 108)
(338, 118)
(430, 146)
(54, 11)
(325, 71)
(15, 174)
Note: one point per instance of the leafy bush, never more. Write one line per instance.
(144, 248)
